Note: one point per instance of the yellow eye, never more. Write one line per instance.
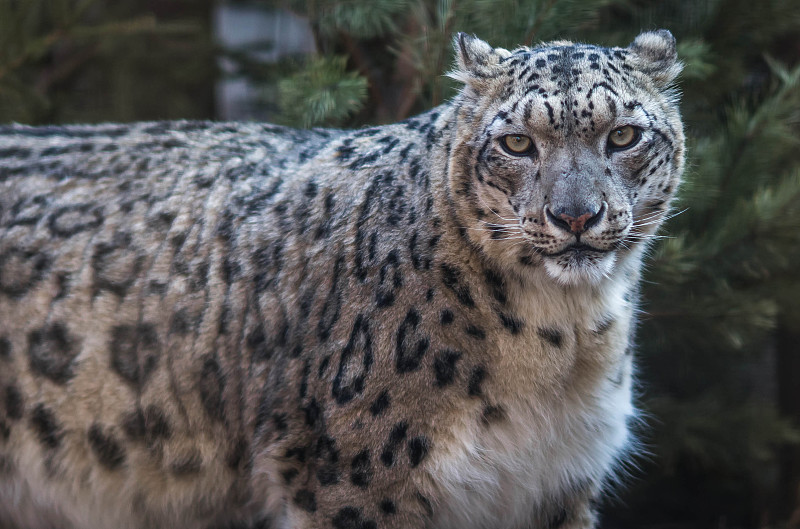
(517, 144)
(622, 137)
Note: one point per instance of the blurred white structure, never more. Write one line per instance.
(241, 27)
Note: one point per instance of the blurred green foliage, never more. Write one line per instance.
(719, 341)
(102, 60)
(321, 91)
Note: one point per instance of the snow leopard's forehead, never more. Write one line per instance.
(571, 86)
(575, 90)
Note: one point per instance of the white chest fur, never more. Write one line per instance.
(499, 477)
(566, 432)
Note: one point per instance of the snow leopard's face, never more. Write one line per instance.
(575, 154)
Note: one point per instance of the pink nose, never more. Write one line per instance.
(573, 222)
(576, 225)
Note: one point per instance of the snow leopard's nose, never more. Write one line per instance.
(575, 220)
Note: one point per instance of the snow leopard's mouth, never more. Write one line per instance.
(578, 249)
(579, 263)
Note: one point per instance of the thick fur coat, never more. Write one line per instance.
(425, 324)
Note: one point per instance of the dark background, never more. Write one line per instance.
(719, 359)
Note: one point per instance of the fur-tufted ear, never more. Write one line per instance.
(476, 60)
(657, 55)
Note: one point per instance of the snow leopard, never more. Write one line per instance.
(424, 324)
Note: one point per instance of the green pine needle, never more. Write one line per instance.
(323, 92)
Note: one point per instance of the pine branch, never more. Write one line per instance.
(362, 67)
(322, 92)
(770, 125)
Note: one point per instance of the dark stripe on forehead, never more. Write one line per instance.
(528, 108)
(501, 115)
(518, 55)
(601, 84)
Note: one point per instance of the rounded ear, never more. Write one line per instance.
(657, 56)
(475, 59)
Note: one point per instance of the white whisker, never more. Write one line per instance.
(493, 211)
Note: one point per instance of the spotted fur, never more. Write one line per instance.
(209, 324)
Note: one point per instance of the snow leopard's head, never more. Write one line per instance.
(566, 156)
